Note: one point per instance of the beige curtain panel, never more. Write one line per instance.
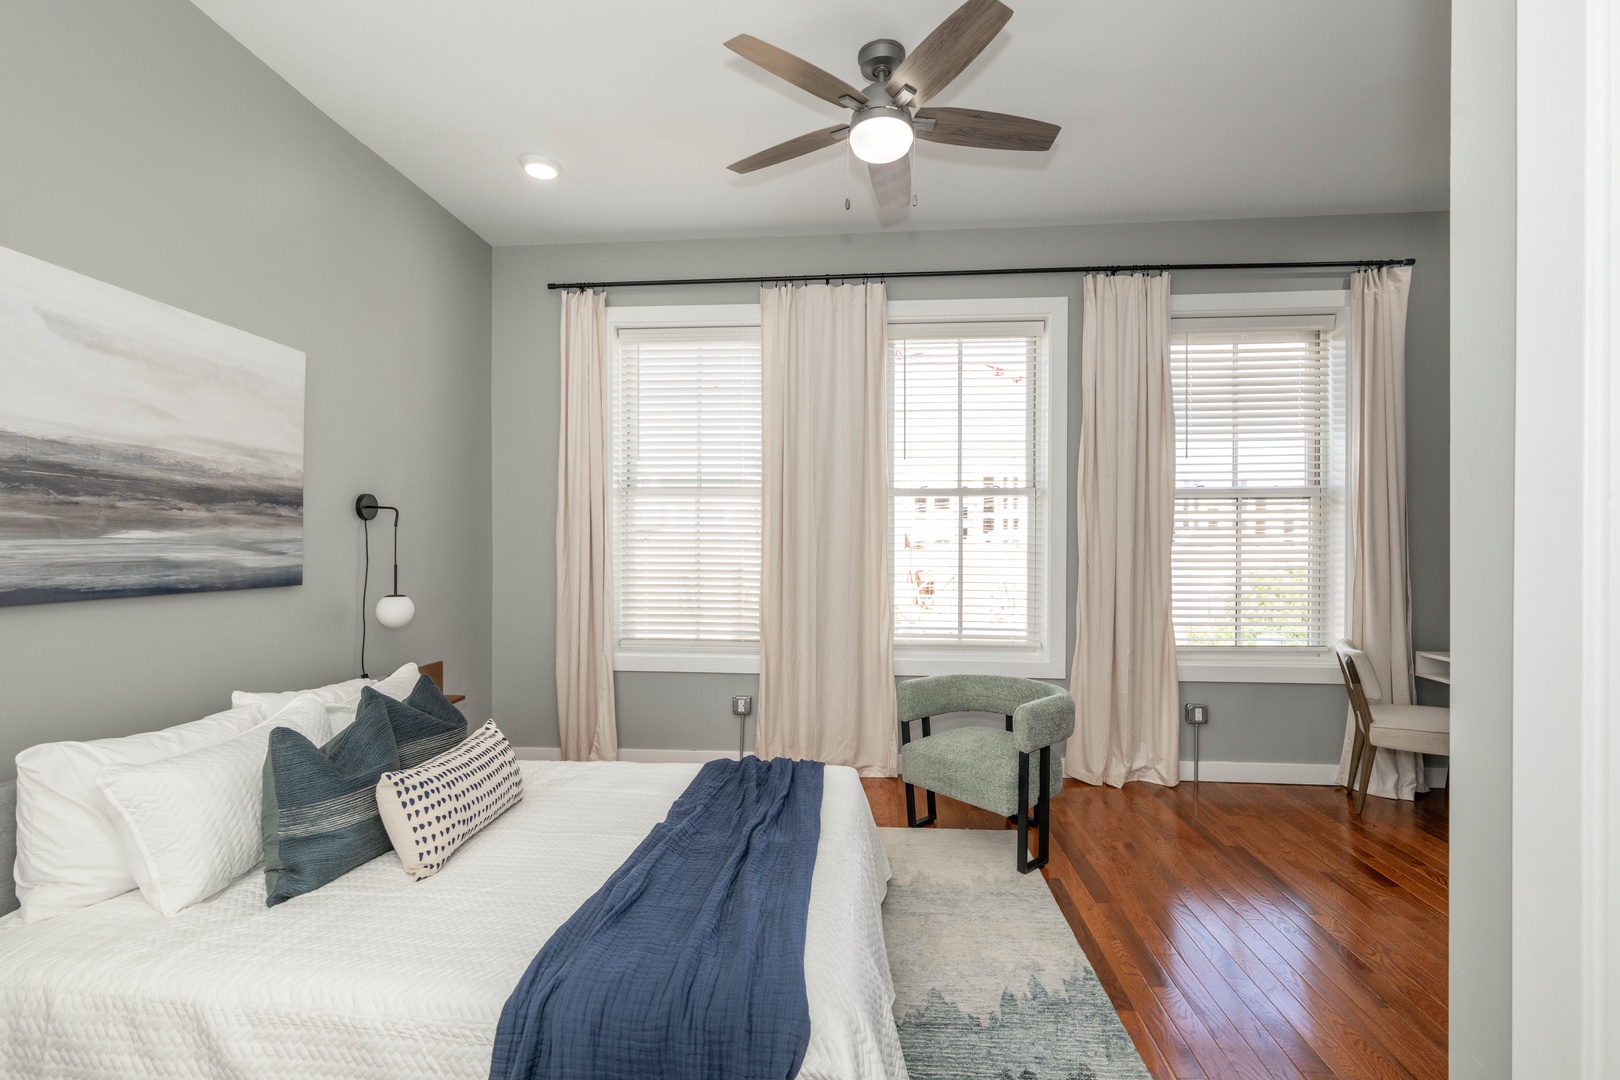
(1124, 675)
(1380, 593)
(826, 628)
(585, 711)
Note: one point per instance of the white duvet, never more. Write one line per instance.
(378, 976)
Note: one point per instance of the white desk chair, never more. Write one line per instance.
(1419, 729)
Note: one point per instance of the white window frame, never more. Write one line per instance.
(721, 659)
(1271, 665)
(1050, 660)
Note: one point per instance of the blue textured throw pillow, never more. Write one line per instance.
(425, 724)
(320, 805)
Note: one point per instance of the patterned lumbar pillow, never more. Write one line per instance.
(320, 805)
(431, 810)
(425, 724)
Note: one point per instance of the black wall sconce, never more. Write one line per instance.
(396, 609)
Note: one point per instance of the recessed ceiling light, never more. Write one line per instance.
(540, 167)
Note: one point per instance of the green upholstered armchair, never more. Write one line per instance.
(982, 766)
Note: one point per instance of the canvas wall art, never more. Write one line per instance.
(143, 449)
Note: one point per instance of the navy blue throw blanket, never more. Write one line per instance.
(688, 964)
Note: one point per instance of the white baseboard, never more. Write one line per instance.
(1281, 772)
(695, 756)
(1261, 772)
(1216, 772)
(552, 753)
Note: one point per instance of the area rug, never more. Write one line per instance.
(989, 981)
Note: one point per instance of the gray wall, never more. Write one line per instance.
(1296, 723)
(141, 145)
(1483, 207)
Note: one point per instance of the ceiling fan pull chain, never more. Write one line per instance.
(847, 166)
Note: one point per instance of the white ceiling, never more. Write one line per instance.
(1171, 109)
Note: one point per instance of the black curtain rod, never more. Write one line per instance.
(1141, 268)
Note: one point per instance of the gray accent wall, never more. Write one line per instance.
(143, 146)
(8, 845)
(1484, 198)
(1250, 722)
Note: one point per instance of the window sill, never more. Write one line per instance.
(907, 662)
(1207, 666)
(911, 661)
(696, 661)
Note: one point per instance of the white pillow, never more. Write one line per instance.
(69, 855)
(431, 810)
(190, 823)
(341, 698)
(271, 703)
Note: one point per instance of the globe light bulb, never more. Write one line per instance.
(395, 610)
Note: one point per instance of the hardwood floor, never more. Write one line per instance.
(1252, 931)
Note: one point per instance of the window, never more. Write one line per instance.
(1258, 451)
(977, 475)
(686, 489)
(974, 554)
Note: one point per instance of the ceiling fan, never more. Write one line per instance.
(889, 112)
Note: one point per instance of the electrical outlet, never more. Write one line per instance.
(1195, 712)
(741, 705)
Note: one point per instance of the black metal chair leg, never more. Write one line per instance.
(1043, 811)
(911, 793)
(911, 807)
(1023, 812)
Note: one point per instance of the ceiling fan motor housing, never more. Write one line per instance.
(880, 58)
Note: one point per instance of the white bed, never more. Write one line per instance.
(377, 976)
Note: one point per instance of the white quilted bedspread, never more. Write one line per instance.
(376, 976)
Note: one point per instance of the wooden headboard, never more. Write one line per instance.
(435, 671)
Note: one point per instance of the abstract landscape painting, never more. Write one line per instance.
(143, 449)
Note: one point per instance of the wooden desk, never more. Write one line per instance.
(1434, 666)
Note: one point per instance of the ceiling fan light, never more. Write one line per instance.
(540, 167)
(881, 135)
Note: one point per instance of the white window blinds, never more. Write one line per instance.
(1252, 408)
(969, 502)
(686, 485)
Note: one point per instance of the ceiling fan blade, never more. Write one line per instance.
(801, 73)
(791, 149)
(891, 184)
(993, 131)
(948, 50)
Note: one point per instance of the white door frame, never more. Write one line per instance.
(1566, 799)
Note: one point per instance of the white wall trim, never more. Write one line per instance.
(1215, 669)
(1216, 772)
(694, 756)
(1261, 772)
(717, 661)
(1566, 806)
(1283, 772)
(553, 753)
